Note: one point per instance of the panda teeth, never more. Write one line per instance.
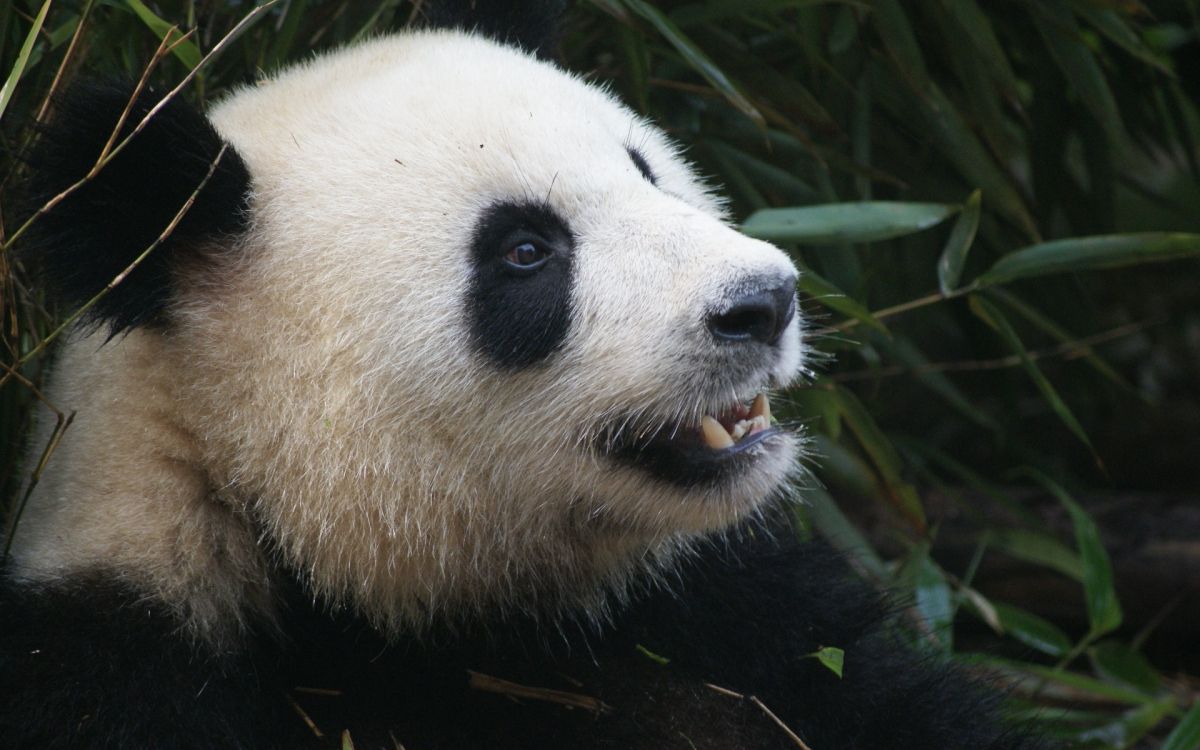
(715, 435)
(757, 418)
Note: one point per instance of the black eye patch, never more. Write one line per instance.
(639, 161)
(519, 301)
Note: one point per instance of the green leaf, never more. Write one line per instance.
(992, 316)
(893, 28)
(1112, 26)
(186, 51)
(841, 533)
(1074, 680)
(1034, 316)
(347, 741)
(1129, 728)
(907, 353)
(1186, 735)
(971, 18)
(831, 658)
(1116, 661)
(1032, 630)
(1079, 64)
(651, 655)
(954, 255)
(934, 601)
(1104, 610)
(1091, 254)
(825, 293)
(883, 455)
(18, 68)
(1039, 548)
(696, 58)
(830, 223)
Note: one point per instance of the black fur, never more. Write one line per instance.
(519, 319)
(642, 165)
(743, 618)
(95, 233)
(94, 665)
(532, 25)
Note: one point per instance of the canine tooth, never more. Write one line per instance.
(759, 423)
(761, 407)
(715, 436)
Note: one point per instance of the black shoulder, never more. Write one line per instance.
(91, 664)
(532, 26)
(90, 236)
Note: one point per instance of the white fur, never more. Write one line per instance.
(321, 385)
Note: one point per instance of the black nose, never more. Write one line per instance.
(759, 314)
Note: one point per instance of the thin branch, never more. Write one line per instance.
(490, 684)
(763, 707)
(1067, 350)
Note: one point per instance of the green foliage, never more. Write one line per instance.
(981, 197)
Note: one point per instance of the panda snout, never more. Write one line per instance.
(759, 311)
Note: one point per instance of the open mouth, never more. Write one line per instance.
(719, 448)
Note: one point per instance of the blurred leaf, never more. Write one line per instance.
(696, 58)
(825, 293)
(983, 608)
(1104, 610)
(1032, 630)
(1186, 735)
(971, 18)
(693, 14)
(1112, 26)
(18, 69)
(1078, 63)
(1044, 323)
(841, 533)
(954, 255)
(938, 120)
(1130, 727)
(866, 221)
(1116, 661)
(906, 352)
(831, 658)
(933, 601)
(883, 455)
(186, 51)
(1073, 680)
(891, 23)
(1039, 548)
(1090, 254)
(992, 316)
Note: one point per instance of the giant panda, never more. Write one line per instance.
(437, 416)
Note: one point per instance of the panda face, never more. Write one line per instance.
(497, 335)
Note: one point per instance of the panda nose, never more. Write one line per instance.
(759, 314)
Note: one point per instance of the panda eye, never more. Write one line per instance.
(526, 257)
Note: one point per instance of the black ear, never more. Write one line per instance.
(84, 242)
(532, 25)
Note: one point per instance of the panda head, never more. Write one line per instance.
(454, 331)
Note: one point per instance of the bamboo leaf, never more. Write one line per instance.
(1129, 727)
(972, 20)
(826, 293)
(992, 316)
(831, 658)
(1186, 735)
(1113, 27)
(934, 601)
(1104, 610)
(696, 58)
(187, 52)
(1032, 630)
(1034, 316)
(954, 255)
(1116, 661)
(1083, 72)
(1039, 548)
(884, 457)
(1091, 254)
(891, 23)
(18, 69)
(841, 533)
(830, 223)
